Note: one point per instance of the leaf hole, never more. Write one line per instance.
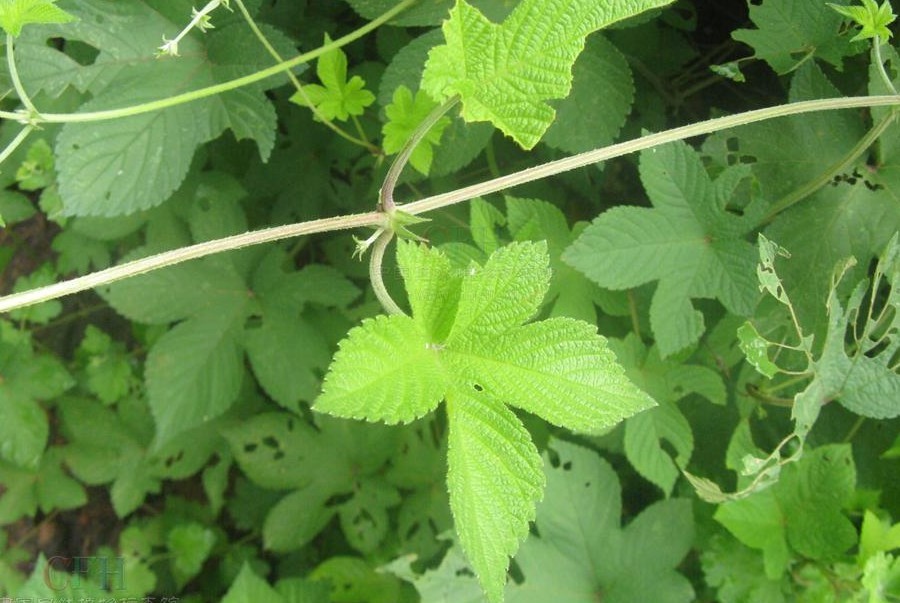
(515, 572)
(172, 459)
(464, 571)
(338, 499)
(363, 516)
(412, 531)
(553, 456)
(567, 466)
(271, 442)
(279, 454)
(477, 387)
(250, 447)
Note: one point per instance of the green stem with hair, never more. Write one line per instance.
(180, 99)
(376, 218)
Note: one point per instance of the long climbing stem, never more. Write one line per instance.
(376, 218)
(179, 99)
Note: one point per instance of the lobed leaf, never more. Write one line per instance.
(505, 73)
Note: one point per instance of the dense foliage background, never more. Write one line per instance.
(163, 425)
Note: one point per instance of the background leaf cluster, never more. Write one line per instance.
(183, 407)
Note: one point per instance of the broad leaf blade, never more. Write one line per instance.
(193, 374)
(558, 369)
(494, 478)
(386, 370)
(505, 73)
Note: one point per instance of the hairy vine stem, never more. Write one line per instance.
(375, 276)
(376, 218)
(193, 95)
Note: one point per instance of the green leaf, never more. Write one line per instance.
(737, 573)
(505, 73)
(193, 374)
(644, 437)
(37, 172)
(119, 458)
(758, 522)
(278, 450)
(582, 386)
(504, 293)
(338, 98)
(118, 167)
(873, 19)
(352, 579)
(864, 380)
(687, 241)
(15, 14)
(250, 588)
(494, 479)
(586, 120)
(789, 32)
(582, 545)
(286, 352)
(297, 518)
(571, 293)
(364, 518)
(756, 349)
(405, 114)
(39, 313)
(433, 288)
(26, 378)
(396, 368)
(385, 370)
(190, 545)
(47, 487)
(108, 373)
(802, 510)
(876, 536)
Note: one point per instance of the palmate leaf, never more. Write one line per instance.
(505, 73)
(873, 18)
(466, 343)
(687, 241)
(337, 97)
(790, 31)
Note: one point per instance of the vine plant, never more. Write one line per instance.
(469, 338)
